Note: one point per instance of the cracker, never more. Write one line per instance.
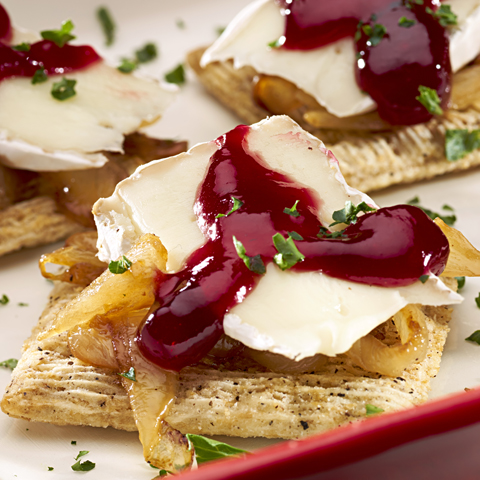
(238, 398)
(369, 161)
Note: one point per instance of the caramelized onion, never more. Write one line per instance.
(374, 356)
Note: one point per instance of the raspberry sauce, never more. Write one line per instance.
(413, 51)
(392, 247)
(43, 54)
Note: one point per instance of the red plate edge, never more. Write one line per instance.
(347, 444)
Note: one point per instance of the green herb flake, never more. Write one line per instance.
(50, 469)
(460, 282)
(325, 233)
(207, 449)
(147, 53)
(64, 89)
(444, 15)
(220, 30)
(429, 99)
(127, 66)
(288, 254)
(448, 219)
(448, 207)
(120, 266)
(39, 76)
(108, 25)
(4, 300)
(406, 22)
(372, 409)
(11, 363)
(255, 264)
(177, 75)
(349, 214)
(477, 300)
(424, 278)
(474, 337)
(459, 143)
(180, 24)
(85, 466)
(73, 442)
(236, 205)
(21, 304)
(82, 453)
(276, 43)
(130, 375)
(292, 211)
(374, 34)
(22, 47)
(60, 37)
(295, 236)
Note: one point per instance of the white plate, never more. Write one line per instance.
(28, 449)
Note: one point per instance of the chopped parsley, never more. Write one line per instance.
(372, 409)
(288, 254)
(429, 99)
(277, 43)
(22, 47)
(120, 266)
(458, 143)
(477, 300)
(255, 264)
(349, 214)
(85, 466)
(50, 469)
(295, 236)
(108, 25)
(374, 34)
(325, 233)
(448, 219)
(424, 278)
(130, 375)
(39, 76)
(64, 89)
(474, 337)
(220, 30)
(162, 471)
(406, 22)
(180, 24)
(11, 363)
(410, 3)
(73, 442)
(147, 53)
(127, 65)
(22, 304)
(292, 211)
(177, 75)
(207, 449)
(4, 300)
(236, 205)
(60, 37)
(82, 453)
(444, 15)
(460, 282)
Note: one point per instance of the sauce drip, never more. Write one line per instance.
(43, 54)
(392, 70)
(391, 247)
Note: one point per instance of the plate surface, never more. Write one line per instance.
(28, 449)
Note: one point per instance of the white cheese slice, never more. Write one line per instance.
(327, 73)
(40, 133)
(295, 314)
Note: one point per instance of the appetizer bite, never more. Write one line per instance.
(389, 85)
(249, 292)
(68, 132)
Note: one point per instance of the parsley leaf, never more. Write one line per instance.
(288, 254)
(458, 143)
(64, 89)
(406, 22)
(444, 15)
(207, 449)
(348, 215)
(236, 205)
(255, 264)
(85, 466)
(477, 300)
(429, 99)
(108, 25)
(50, 469)
(81, 453)
(39, 76)
(277, 43)
(4, 300)
(220, 30)
(474, 337)
(22, 304)
(460, 282)
(448, 219)
(374, 34)
(180, 24)
(120, 266)
(147, 53)
(372, 409)
(130, 375)
(295, 236)
(292, 211)
(177, 75)
(73, 442)
(22, 47)
(11, 363)
(127, 66)
(424, 278)
(325, 233)
(60, 37)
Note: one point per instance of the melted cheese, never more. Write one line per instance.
(295, 314)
